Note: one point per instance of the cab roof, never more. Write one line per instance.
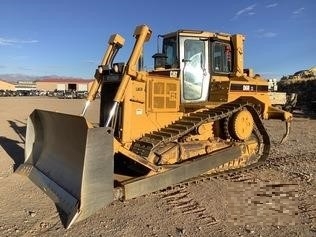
(198, 33)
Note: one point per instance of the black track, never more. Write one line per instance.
(151, 141)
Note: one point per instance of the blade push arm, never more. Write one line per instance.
(114, 44)
(142, 34)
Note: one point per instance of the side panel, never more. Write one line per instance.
(149, 105)
(219, 91)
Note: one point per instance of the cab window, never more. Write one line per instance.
(222, 57)
(170, 50)
(193, 71)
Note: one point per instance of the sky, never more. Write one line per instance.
(68, 38)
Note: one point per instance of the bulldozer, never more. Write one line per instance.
(197, 112)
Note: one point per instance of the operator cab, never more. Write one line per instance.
(198, 56)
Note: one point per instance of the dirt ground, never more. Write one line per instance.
(275, 199)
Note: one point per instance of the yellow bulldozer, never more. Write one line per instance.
(197, 112)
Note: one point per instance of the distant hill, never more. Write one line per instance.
(23, 77)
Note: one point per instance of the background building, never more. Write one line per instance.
(63, 84)
(25, 86)
(47, 84)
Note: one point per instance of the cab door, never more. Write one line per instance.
(194, 65)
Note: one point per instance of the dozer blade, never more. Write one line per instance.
(70, 162)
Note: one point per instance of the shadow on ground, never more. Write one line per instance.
(305, 112)
(13, 147)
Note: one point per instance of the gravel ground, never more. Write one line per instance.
(274, 199)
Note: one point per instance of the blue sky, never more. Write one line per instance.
(68, 38)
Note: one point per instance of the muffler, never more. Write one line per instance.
(71, 162)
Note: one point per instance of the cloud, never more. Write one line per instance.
(298, 11)
(19, 57)
(272, 5)
(9, 42)
(22, 68)
(93, 62)
(247, 10)
(269, 34)
(262, 33)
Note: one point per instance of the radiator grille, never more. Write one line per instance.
(163, 95)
